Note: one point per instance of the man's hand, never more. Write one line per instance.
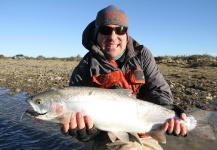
(174, 127)
(80, 127)
(79, 121)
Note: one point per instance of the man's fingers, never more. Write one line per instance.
(183, 116)
(88, 122)
(65, 128)
(177, 127)
(183, 129)
(73, 123)
(171, 126)
(165, 126)
(80, 121)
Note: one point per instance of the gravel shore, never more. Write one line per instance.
(191, 87)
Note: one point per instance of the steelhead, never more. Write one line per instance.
(116, 111)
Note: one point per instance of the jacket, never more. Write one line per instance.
(136, 57)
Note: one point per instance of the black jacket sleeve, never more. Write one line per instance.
(156, 89)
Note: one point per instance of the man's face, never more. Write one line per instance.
(113, 45)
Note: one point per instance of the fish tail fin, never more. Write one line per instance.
(204, 125)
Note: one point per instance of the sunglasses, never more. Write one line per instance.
(106, 30)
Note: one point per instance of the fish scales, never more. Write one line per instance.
(100, 104)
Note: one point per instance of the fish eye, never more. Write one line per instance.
(39, 101)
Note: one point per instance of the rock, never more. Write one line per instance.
(10, 93)
(29, 80)
(58, 78)
(209, 98)
(18, 90)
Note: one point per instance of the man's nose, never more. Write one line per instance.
(113, 35)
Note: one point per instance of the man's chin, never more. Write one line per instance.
(109, 55)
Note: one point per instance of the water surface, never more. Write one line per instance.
(34, 135)
(28, 134)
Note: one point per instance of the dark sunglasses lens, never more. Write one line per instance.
(105, 30)
(121, 30)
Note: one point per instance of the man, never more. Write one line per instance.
(116, 60)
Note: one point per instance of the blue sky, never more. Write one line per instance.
(53, 28)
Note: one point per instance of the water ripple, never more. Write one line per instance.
(28, 134)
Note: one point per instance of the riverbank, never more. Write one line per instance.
(194, 86)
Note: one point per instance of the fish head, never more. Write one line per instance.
(46, 105)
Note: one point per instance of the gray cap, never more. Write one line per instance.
(111, 15)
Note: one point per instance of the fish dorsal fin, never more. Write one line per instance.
(158, 135)
(123, 136)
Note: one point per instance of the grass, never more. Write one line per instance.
(189, 61)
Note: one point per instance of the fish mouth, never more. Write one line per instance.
(34, 113)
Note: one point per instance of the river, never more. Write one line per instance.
(35, 135)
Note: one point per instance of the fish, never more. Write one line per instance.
(116, 111)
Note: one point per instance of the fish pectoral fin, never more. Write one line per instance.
(123, 136)
(158, 135)
(64, 118)
(112, 137)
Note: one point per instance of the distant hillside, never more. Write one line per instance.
(185, 61)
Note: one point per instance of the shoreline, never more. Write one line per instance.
(191, 87)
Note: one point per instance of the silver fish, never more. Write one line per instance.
(116, 111)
